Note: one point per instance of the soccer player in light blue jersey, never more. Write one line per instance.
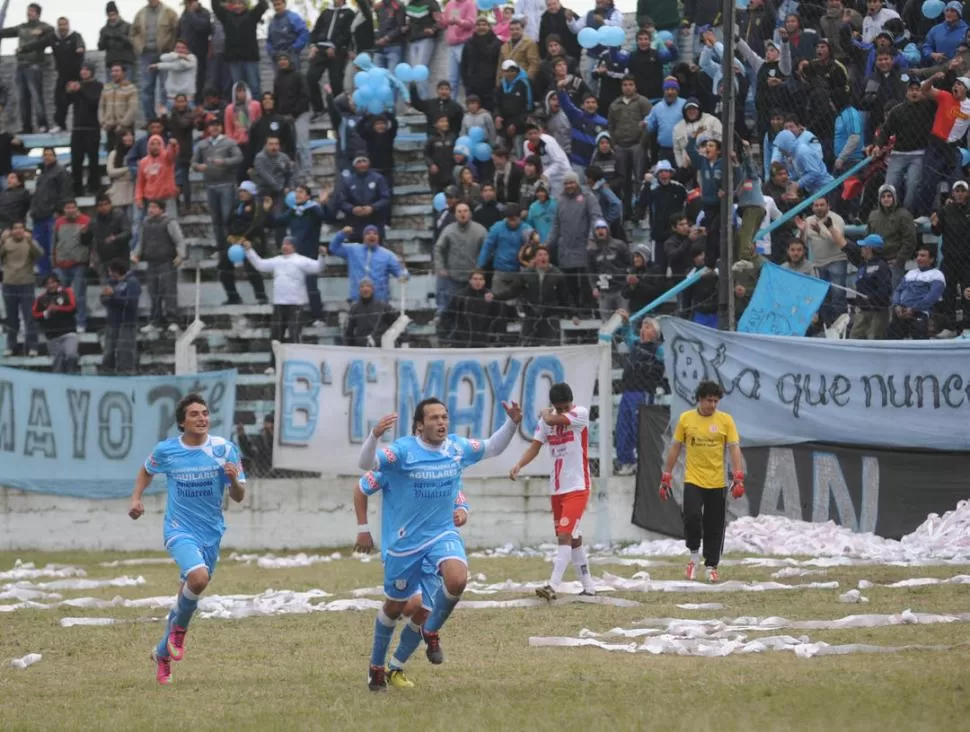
(198, 468)
(420, 476)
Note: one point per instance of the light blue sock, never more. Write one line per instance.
(187, 603)
(444, 603)
(161, 650)
(383, 631)
(407, 645)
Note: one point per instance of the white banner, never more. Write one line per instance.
(329, 397)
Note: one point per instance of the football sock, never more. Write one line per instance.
(161, 650)
(188, 601)
(383, 630)
(444, 603)
(581, 565)
(564, 555)
(407, 644)
(695, 557)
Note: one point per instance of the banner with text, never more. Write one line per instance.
(86, 436)
(781, 390)
(329, 397)
(888, 492)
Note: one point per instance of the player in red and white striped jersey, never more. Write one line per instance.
(564, 427)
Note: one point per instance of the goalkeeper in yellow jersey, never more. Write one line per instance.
(705, 433)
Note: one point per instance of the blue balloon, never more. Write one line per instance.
(933, 9)
(483, 152)
(360, 79)
(290, 199)
(664, 36)
(236, 254)
(476, 134)
(464, 141)
(386, 95)
(964, 157)
(911, 54)
(366, 94)
(741, 4)
(404, 72)
(487, 4)
(603, 35)
(359, 100)
(420, 73)
(363, 61)
(588, 38)
(439, 202)
(375, 106)
(614, 35)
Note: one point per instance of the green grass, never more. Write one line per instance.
(307, 672)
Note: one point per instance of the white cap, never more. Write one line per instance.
(965, 81)
(509, 64)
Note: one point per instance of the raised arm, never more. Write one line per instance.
(368, 453)
(496, 444)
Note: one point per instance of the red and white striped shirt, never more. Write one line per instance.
(569, 448)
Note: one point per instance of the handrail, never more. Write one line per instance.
(823, 191)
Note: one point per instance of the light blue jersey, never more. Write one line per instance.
(420, 485)
(422, 489)
(196, 485)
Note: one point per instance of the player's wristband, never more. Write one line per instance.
(363, 529)
(739, 476)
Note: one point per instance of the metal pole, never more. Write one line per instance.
(728, 102)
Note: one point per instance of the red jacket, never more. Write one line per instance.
(156, 175)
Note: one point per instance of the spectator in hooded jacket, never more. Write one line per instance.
(240, 23)
(944, 38)
(368, 260)
(54, 310)
(85, 96)
(663, 118)
(916, 295)
(894, 223)
(513, 102)
(287, 33)
(156, 175)
(290, 273)
(577, 211)
(645, 281)
(246, 225)
(51, 191)
(240, 116)
(664, 198)
(120, 295)
(810, 173)
(609, 260)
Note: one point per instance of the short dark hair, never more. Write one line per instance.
(707, 389)
(486, 184)
(419, 411)
(443, 82)
(70, 200)
(184, 403)
(36, 7)
(929, 249)
(118, 265)
(677, 218)
(213, 92)
(793, 118)
(102, 198)
(560, 393)
(628, 77)
(514, 210)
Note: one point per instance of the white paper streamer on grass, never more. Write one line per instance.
(79, 584)
(27, 571)
(72, 622)
(711, 638)
(701, 606)
(29, 660)
(796, 572)
(136, 562)
(853, 596)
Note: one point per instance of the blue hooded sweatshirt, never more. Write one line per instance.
(808, 168)
(377, 263)
(504, 243)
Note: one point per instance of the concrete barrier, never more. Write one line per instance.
(302, 514)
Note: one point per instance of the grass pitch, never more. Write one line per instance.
(307, 672)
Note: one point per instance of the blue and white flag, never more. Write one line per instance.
(783, 302)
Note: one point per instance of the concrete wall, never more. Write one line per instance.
(300, 514)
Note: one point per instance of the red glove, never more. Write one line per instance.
(737, 485)
(665, 490)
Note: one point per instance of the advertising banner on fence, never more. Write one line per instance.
(86, 436)
(329, 397)
(783, 390)
(886, 492)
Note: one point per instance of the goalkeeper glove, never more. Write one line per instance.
(665, 490)
(737, 485)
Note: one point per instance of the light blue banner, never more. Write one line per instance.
(86, 436)
(783, 302)
(780, 391)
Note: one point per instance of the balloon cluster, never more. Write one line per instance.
(372, 85)
(933, 9)
(665, 37)
(605, 35)
(474, 142)
(487, 5)
(408, 73)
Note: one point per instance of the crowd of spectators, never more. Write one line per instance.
(543, 216)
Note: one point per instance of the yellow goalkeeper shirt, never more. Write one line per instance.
(705, 439)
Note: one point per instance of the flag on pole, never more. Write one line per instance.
(3, 12)
(783, 302)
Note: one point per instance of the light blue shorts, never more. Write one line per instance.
(189, 553)
(416, 573)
